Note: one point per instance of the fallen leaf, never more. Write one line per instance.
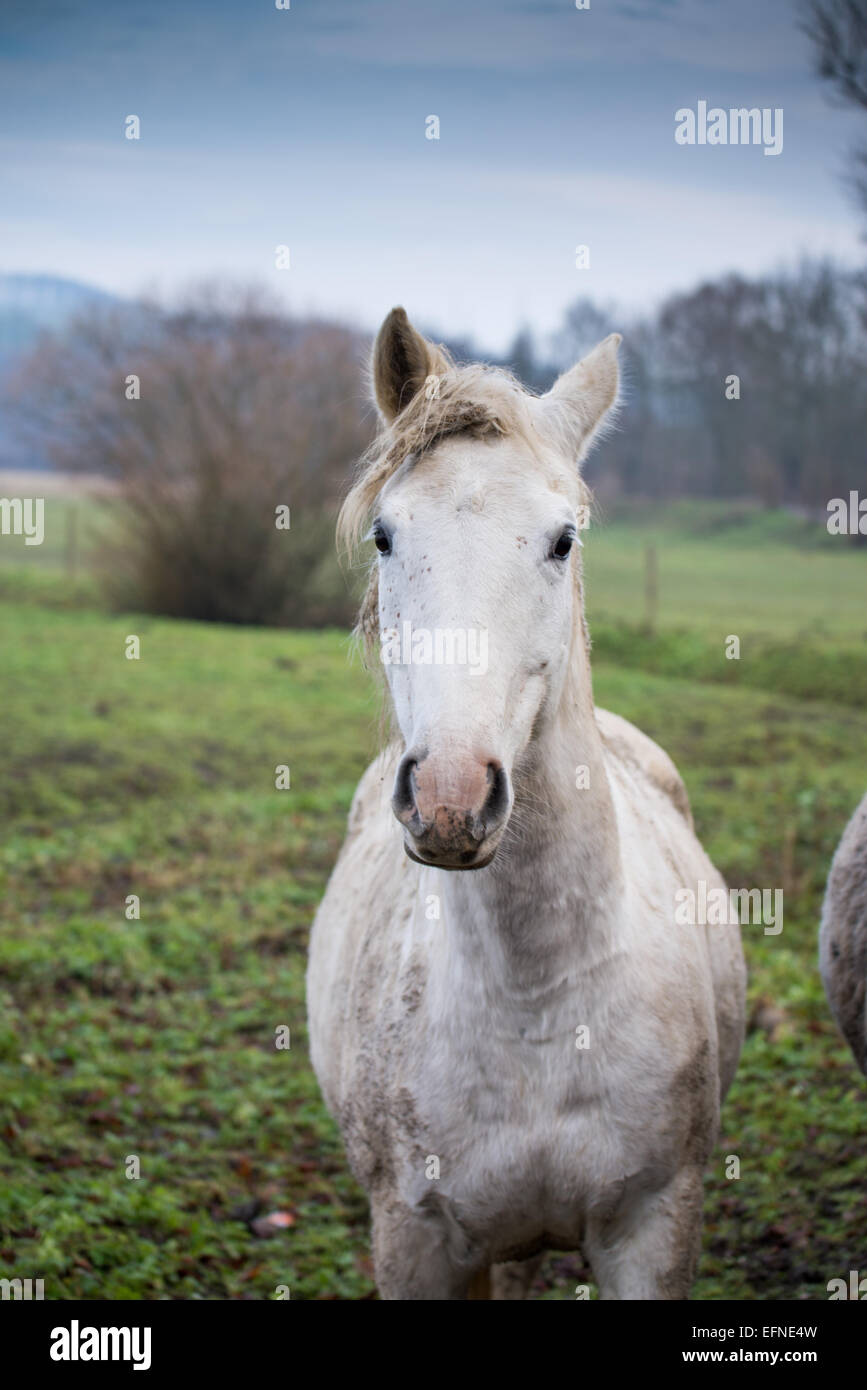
(272, 1223)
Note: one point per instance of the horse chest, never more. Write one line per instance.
(527, 1109)
(530, 1146)
(544, 1116)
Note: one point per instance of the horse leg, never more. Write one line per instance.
(649, 1250)
(479, 1286)
(421, 1252)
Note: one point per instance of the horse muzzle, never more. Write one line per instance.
(453, 808)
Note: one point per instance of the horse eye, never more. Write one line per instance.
(562, 546)
(381, 539)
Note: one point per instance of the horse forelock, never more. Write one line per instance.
(475, 400)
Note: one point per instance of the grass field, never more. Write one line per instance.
(767, 575)
(155, 1037)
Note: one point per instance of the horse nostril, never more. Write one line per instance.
(497, 801)
(403, 797)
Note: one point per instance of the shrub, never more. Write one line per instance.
(234, 412)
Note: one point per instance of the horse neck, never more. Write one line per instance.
(556, 880)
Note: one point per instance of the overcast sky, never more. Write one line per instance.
(306, 127)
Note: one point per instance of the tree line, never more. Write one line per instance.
(214, 414)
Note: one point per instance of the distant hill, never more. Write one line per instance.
(29, 305)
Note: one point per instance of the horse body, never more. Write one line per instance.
(454, 1037)
(843, 935)
(531, 1055)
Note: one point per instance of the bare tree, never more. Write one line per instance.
(211, 419)
(789, 429)
(838, 31)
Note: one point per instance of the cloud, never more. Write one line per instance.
(470, 249)
(450, 35)
(306, 127)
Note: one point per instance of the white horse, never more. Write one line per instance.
(530, 1056)
(843, 935)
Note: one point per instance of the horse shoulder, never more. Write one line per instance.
(365, 873)
(628, 744)
(643, 762)
(373, 789)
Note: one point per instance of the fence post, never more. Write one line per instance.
(651, 587)
(72, 539)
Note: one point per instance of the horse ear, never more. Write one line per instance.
(582, 397)
(402, 362)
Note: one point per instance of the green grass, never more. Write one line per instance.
(763, 577)
(72, 526)
(155, 1037)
